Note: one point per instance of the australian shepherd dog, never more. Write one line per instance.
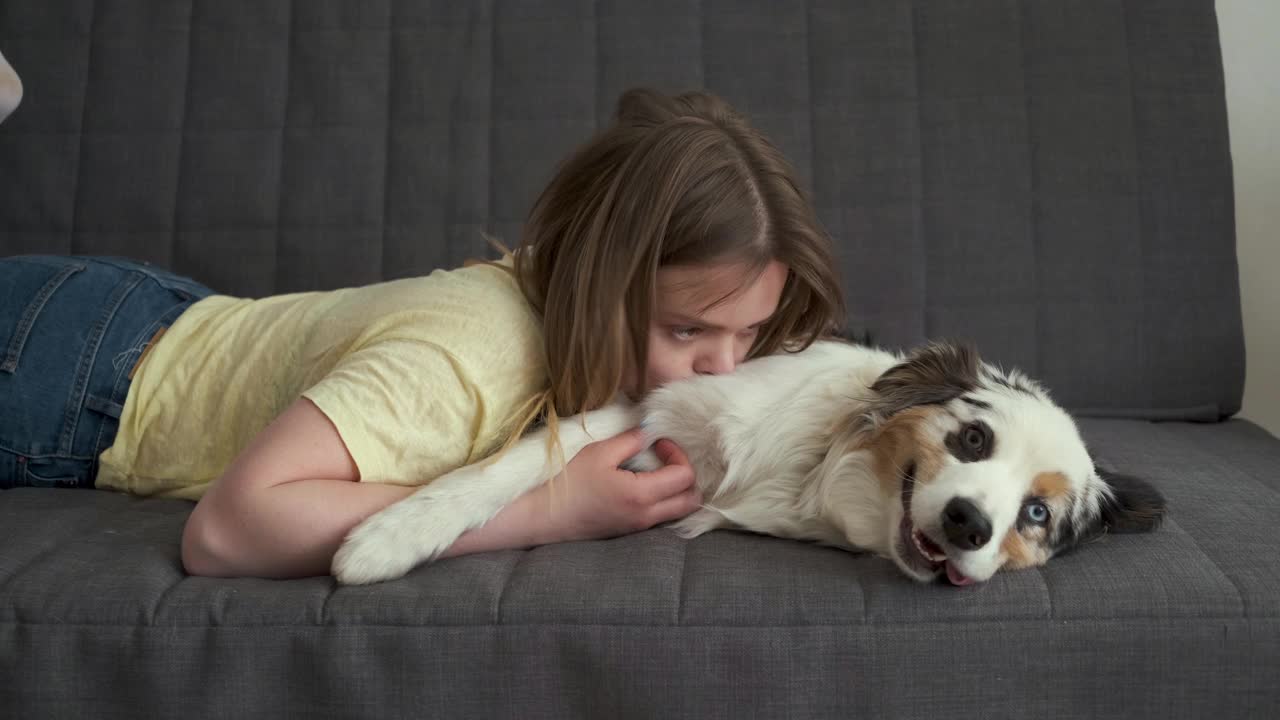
(936, 460)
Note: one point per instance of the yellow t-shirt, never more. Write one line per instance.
(419, 376)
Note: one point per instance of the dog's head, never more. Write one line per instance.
(985, 472)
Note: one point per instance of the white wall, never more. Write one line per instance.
(1250, 32)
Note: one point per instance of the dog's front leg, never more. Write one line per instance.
(423, 525)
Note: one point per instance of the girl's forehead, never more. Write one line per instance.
(710, 291)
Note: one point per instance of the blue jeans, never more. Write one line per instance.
(71, 331)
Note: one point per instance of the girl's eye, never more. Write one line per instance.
(685, 333)
(1036, 512)
(751, 331)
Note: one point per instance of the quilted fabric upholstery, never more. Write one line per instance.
(1048, 177)
(1051, 179)
(1179, 623)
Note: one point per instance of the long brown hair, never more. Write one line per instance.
(672, 181)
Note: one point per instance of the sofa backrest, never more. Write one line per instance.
(1049, 179)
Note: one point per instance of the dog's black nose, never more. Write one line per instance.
(965, 525)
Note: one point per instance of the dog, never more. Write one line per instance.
(943, 463)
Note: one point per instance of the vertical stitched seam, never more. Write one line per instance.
(1033, 202)
(164, 594)
(1181, 432)
(322, 613)
(684, 570)
(284, 126)
(182, 134)
(1178, 434)
(84, 113)
(1142, 229)
(386, 145)
(490, 220)
(813, 123)
(597, 81)
(922, 200)
(506, 583)
(866, 602)
(702, 42)
(1048, 594)
(459, 111)
(1239, 591)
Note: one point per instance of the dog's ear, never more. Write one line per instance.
(1135, 505)
(934, 374)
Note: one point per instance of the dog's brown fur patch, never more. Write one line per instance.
(1025, 547)
(1050, 485)
(901, 441)
(1021, 554)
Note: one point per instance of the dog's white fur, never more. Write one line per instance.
(832, 444)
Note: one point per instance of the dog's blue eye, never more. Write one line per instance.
(1036, 512)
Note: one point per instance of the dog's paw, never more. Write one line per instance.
(644, 461)
(372, 553)
(393, 541)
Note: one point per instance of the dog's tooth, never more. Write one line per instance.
(918, 538)
(915, 538)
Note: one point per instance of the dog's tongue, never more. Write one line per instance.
(956, 577)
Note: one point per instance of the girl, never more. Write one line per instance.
(675, 242)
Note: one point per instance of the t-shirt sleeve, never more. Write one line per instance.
(406, 410)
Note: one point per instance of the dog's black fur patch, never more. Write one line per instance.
(1135, 506)
(964, 451)
(932, 375)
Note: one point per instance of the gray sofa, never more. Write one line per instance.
(1048, 178)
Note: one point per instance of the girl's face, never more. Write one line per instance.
(686, 337)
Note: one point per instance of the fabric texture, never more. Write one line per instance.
(418, 375)
(1182, 623)
(1050, 179)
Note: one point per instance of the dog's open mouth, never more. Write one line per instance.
(917, 548)
(927, 548)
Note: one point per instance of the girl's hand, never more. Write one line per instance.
(595, 499)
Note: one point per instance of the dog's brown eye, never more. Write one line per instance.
(971, 443)
(974, 438)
